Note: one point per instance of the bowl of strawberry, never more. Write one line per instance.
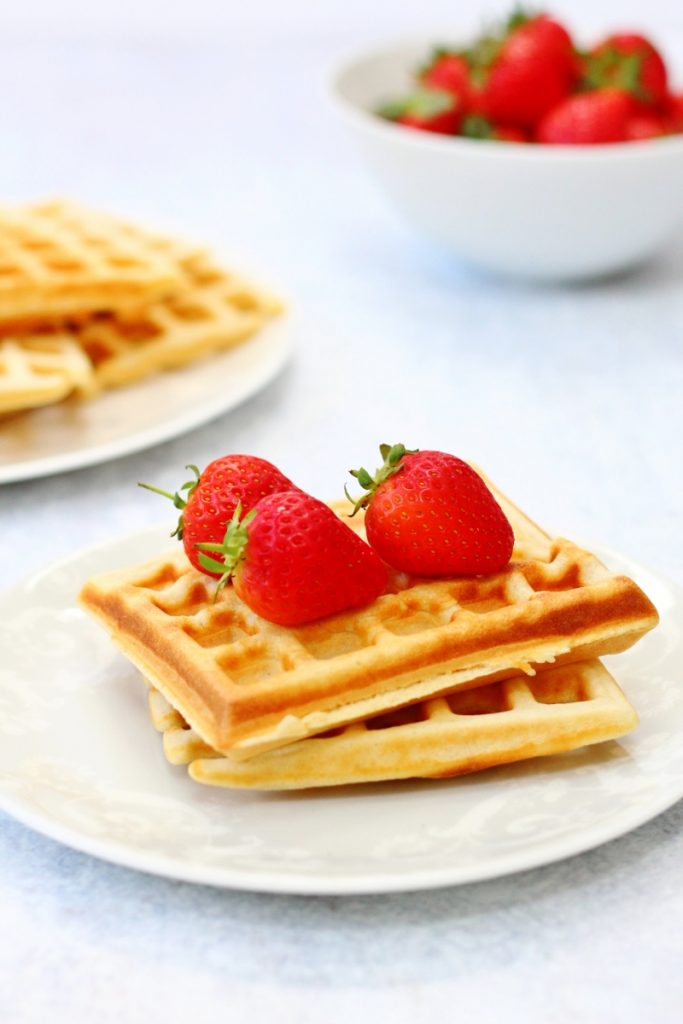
(523, 149)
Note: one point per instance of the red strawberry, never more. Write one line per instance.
(589, 117)
(293, 560)
(429, 514)
(508, 133)
(673, 113)
(430, 110)
(631, 62)
(212, 497)
(645, 125)
(450, 73)
(518, 77)
(476, 127)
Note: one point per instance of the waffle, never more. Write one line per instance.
(59, 258)
(213, 310)
(246, 685)
(40, 370)
(560, 709)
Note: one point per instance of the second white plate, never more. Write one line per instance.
(80, 761)
(70, 435)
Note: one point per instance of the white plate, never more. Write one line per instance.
(70, 435)
(80, 762)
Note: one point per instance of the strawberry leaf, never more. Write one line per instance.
(520, 16)
(391, 456)
(212, 564)
(476, 127)
(423, 103)
(612, 68)
(233, 548)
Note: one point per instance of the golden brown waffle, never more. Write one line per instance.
(59, 258)
(40, 370)
(246, 685)
(560, 709)
(213, 310)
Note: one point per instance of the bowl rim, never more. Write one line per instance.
(347, 65)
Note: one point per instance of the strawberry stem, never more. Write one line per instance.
(165, 494)
(392, 455)
(178, 500)
(233, 548)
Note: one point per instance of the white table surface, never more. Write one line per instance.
(570, 398)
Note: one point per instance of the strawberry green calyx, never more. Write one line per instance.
(476, 127)
(520, 16)
(486, 49)
(233, 548)
(422, 103)
(178, 500)
(612, 69)
(392, 455)
(438, 52)
(482, 56)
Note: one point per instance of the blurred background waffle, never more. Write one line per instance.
(89, 302)
(41, 369)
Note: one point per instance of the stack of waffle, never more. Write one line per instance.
(89, 302)
(435, 678)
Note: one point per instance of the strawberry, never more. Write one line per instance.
(430, 514)
(292, 560)
(449, 72)
(211, 498)
(646, 125)
(519, 75)
(430, 110)
(476, 127)
(509, 133)
(673, 113)
(631, 62)
(590, 117)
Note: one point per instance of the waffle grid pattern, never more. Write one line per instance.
(247, 685)
(120, 303)
(40, 370)
(213, 310)
(248, 649)
(449, 735)
(59, 258)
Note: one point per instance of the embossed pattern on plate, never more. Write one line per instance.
(79, 761)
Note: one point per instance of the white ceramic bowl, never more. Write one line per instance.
(546, 212)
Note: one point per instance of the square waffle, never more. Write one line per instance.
(59, 258)
(40, 370)
(557, 710)
(212, 310)
(246, 685)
